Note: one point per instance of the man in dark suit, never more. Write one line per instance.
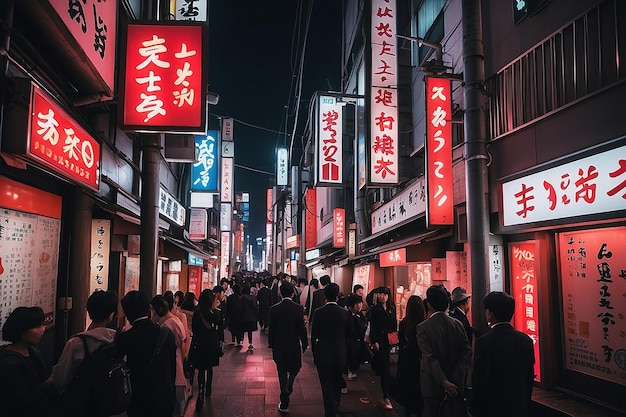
(318, 296)
(264, 295)
(331, 329)
(446, 357)
(502, 379)
(287, 337)
(460, 306)
(152, 381)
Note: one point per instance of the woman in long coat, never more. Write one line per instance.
(382, 321)
(248, 311)
(409, 357)
(205, 345)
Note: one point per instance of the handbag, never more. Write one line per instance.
(393, 339)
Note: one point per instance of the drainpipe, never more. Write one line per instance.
(150, 187)
(476, 179)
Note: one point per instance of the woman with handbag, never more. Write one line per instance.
(205, 344)
(383, 335)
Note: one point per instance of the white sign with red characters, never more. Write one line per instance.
(339, 225)
(61, 143)
(383, 144)
(439, 151)
(329, 142)
(592, 185)
(164, 79)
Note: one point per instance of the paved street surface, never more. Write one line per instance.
(246, 384)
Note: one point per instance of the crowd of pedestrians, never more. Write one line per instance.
(168, 340)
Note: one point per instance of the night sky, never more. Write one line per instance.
(251, 69)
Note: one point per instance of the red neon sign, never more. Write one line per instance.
(164, 78)
(525, 291)
(339, 223)
(439, 151)
(61, 143)
(393, 258)
(310, 219)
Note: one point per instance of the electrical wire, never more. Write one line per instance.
(254, 169)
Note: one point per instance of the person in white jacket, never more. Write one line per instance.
(101, 307)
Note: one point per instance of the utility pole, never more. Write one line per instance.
(150, 186)
(476, 157)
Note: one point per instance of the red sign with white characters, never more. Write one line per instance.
(165, 78)
(439, 151)
(526, 292)
(393, 258)
(339, 224)
(383, 145)
(61, 143)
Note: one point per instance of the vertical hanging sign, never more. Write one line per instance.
(204, 171)
(310, 219)
(383, 145)
(100, 242)
(224, 253)
(329, 142)
(525, 292)
(439, 151)
(282, 176)
(339, 225)
(226, 187)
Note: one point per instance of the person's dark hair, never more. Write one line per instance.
(314, 283)
(302, 281)
(188, 302)
(286, 289)
(21, 320)
(246, 290)
(356, 288)
(167, 292)
(223, 280)
(331, 291)
(265, 282)
(159, 305)
(205, 302)
(415, 313)
(389, 304)
(218, 289)
(169, 298)
(353, 300)
(180, 295)
(136, 304)
(324, 280)
(438, 297)
(101, 304)
(236, 289)
(501, 305)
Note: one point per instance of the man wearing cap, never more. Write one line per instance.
(460, 306)
(446, 357)
(287, 338)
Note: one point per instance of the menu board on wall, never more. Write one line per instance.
(131, 275)
(29, 258)
(593, 278)
(363, 275)
(525, 291)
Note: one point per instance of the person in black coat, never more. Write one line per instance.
(152, 381)
(233, 316)
(247, 311)
(382, 321)
(287, 338)
(264, 296)
(460, 306)
(409, 357)
(318, 297)
(330, 331)
(504, 358)
(25, 389)
(357, 350)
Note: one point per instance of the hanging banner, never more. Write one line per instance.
(310, 219)
(439, 151)
(164, 78)
(339, 226)
(224, 253)
(329, 141)
(383, 145)
(525, 291)
(593, 277)
(226, 185)
(204, 172)
(282, 174)
(100, 247)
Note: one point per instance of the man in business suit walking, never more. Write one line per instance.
(460, 306)
(331, 329)
(502, 379)
(318, 297)
(446, 357)
(288, 339)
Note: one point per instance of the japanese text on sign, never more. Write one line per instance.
(596, 184)
(383, 95)
(339, 225)
(410, 203)
(204, 172)
(525, 292)
(100, 247)
(329, 140)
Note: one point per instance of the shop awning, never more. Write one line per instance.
(409, 241)
(312, 262)
(187, 246)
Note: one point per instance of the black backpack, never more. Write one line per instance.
(101, 387)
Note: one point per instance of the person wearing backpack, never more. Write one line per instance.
(73, 376)
(151, 359)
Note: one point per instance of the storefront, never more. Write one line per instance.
(566, 227)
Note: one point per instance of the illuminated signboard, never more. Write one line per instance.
(383, 145)
(310, 219)
(439, 151)
(339, 226)
(393, 258)
(204, 172)
(61, 143)
(329, 142)
(165, 77)
(170, 207)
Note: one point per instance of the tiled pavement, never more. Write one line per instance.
(246, 384)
